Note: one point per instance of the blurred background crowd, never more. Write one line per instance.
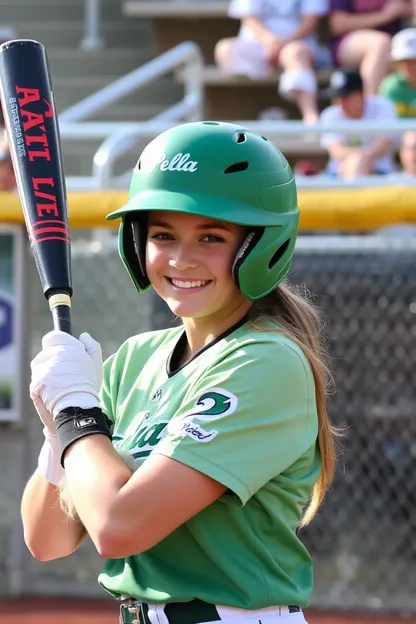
(370, 51)
(334, 61)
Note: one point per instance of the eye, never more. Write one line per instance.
(161, 236)
(212, 238)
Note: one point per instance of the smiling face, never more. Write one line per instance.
(189, 262)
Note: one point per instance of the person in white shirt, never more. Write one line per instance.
(277, 34)
(351, 155)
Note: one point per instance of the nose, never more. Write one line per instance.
(183, 258)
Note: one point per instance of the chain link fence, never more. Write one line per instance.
(364, 539)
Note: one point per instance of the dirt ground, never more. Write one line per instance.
(66, 611)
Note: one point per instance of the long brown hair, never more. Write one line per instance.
(300, 320)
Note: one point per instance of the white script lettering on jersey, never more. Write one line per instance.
(180, 162)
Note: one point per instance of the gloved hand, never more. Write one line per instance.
(66, 373)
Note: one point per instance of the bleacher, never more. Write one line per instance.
(226, 97)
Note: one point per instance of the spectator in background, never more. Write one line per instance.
(361, 35)
(277, 34)
(400, 86)
(408, 153)
(354, 155)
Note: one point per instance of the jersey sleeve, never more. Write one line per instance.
(116, 367)
(249, 418)
(238, 9)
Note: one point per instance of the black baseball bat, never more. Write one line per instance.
(33, 134)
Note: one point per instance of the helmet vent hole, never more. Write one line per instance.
(236, 167)
(241, 137)
(139, 164)
(278, 254)
(264, 138)
(211, 123)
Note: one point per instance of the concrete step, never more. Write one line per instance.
(119, 61)
(69, 33)
(122, 112)
(21, 4)
(46, 10)
(70, 90)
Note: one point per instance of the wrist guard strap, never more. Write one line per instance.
(74, 423)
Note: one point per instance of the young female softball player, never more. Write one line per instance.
(224, 417)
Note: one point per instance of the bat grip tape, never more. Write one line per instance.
(59, 299)
(74, 423)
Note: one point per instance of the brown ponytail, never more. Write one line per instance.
(300, 320)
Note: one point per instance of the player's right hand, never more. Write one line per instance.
(66, 373)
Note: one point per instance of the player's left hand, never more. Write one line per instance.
(67, 372)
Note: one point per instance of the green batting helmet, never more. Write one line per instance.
(221, 171)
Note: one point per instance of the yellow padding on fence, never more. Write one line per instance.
(325, 209)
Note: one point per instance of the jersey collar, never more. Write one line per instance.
(175, 357)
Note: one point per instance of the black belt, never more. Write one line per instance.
(193, 612)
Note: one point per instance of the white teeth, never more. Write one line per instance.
(196, 284)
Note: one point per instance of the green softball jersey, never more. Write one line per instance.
(396, 89)
(242, 411)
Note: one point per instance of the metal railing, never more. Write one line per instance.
(186, 54)
(120, 137)
(92, 19)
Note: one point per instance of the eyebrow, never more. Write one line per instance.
(205, 226)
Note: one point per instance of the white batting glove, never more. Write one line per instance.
(66, 373)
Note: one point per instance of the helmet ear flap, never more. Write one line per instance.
(134, 247)
(249, 243)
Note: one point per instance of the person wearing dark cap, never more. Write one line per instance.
(351, 155)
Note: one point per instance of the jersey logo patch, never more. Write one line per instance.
(157, 396)
(211, 405)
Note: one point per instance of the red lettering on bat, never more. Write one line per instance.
(42, 138)
(44, 154)
(49, 111)
(28, 95)
(38, 181)
(45, 195)
(31, 120)
(43, 208)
